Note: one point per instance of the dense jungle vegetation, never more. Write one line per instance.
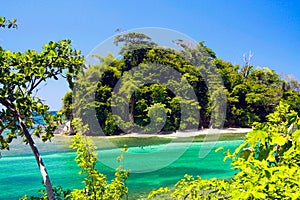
(146, 79)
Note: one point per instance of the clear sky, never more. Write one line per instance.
(270, 29)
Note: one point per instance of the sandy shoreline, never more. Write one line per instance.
(192, 133)
(179, 134)
(61, 131)
(62, 141)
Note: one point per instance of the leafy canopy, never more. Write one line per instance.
(21, 76)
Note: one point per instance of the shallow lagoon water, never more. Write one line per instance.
(19, 173)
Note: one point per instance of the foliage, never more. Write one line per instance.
(133, 41)
(145, 81)
(59, 194)
(21, 75)
(96, 184)
(249, 96)
(267, 165)
(67, 105)
(4, 23)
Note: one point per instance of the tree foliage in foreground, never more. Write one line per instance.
(96, 184)
(267, 164)
(21, 76)
(58, 191)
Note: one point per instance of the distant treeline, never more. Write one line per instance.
(144, 80)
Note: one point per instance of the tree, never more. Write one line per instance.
(133, 41)
(4, 23)
(267, 165)
(147, 74)
(96, 184)
(243, 93)
(67, 105)
(255, 96)
(21, 76)
(92, 96)
(291, 91)
(67, 111)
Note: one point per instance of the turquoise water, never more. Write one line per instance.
(19, 173)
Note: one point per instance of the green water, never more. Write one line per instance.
(19, 173)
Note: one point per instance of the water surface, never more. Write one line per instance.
(19, 173)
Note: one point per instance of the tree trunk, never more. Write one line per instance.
(39, 160)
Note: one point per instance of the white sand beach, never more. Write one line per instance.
(192, 133)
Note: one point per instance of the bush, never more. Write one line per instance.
(268, 165)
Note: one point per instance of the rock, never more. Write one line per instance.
(68, 129)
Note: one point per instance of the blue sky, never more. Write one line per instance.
(270, 29)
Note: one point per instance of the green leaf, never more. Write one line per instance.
(219, 149)
(278, 139)
(259, 195)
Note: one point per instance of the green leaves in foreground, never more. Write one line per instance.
(267, 164)
(96, 184)
(21, 77)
